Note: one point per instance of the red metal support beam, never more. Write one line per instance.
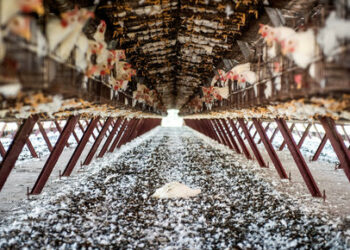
(320, 148)
(31, 148)
(221, 131)
(266, 129)
(345, 133)
(55, 154)
(270, 150)
(284, 141)
(303, 137)
(46, 138)
(80, 148)
(2, 150)
(337, 143)
(119, 135)
(240, 140)
(213, 125)
(298, 158)
(273, 134)
(229, 135)
(110, 137)
(128, 132)
(93, 134)
(252, 144)
(60, 131)
(98, 141)
(15, 148)
(212, 130)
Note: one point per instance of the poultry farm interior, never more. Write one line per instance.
(175, 95)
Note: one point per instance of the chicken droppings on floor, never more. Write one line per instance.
(110, 204)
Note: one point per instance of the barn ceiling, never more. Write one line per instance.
(176, 45)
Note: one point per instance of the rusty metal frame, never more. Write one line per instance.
(98, 141)
(337, 143)
(252, 144)
(298, 158)
(270, 149)
(110, 137)
(54, 156)
(15, 148)
(119, 135)
(240, 140)
(80, 148)
(44, 134)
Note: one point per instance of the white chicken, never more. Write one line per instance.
(99, 35)
(302, 47)
(246, 79)
(221, 93)
(58, 29)
(336, 30)
(175, 190)
(9, 8)
(236, 70)
(80, 53)
(20, 26)
(65, 48)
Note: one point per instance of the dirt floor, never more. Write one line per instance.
(110, 203)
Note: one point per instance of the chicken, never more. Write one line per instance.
(235, 71)
(80, 53)
(139, 94)
(124, 71)
(97, 70)
(9, 8)
(335, 31)
(248, 78)
(99, 35)
(67, 45)
(221, 93)
(58, 29)
(175, 190)
(302, 47)
(20, 26)
(94, 48)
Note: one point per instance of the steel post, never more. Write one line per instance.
(80, 148)
(55, 154)
(298, 158)
(15, 148)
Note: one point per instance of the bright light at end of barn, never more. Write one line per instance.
(172, 120)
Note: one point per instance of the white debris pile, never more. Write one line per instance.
(175, 190)
(111, 205)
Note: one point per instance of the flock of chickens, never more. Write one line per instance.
(65, 41)
(302, 47)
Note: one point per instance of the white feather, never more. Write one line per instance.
(175, 190)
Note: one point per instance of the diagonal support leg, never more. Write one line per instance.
(266, 129)
(60, 131)
(31, 148)
(240, 140)
(270, 150)
(320, 148)
(110, 137)
(55, 154)
(119, 135)
(234, 143)
(303, 137)
(252, 143)
(15, 148)
(80, 148)
(337, 143)
(46, 138)
(298, 158)
(98, 141)
(284, 141)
